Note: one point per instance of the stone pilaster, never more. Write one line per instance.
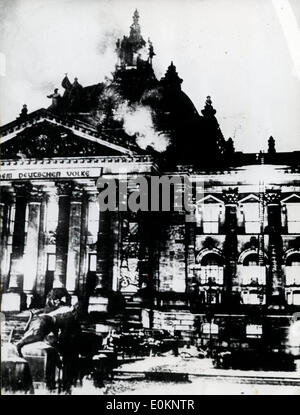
(275, 284)
(190, 252)
(32, 241)
(230, 245)
(115, 229)
(74, 239)
(62, 234)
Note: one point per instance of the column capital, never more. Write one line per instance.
(273, 196)
(230, 196)
(64, 188)
(77, 192)
(92, 194)
(36, 194)
(22, 189)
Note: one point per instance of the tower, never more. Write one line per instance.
(132, 49)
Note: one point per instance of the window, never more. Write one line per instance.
(293, 298)
(253, 330)
(293, 217)
(292, 269)
(210, 328)
(251, 217)
(211, 271)
(211, 216)
(250, 272)
(253, 297)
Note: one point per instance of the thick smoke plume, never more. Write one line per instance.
(137, 121)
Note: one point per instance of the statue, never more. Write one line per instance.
(56, 100)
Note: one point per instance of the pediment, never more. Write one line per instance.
(294, 198)
(252, 198)
(210, 199)
(45, 135)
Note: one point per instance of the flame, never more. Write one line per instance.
(137, 121)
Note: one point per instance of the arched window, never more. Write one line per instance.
(249, 270)
(292, 269)
(211, 269)
(293, 260)
(251, 260)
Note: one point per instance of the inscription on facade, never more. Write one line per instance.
(51, 174)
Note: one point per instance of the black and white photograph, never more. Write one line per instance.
(150, 199)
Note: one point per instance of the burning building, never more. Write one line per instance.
(229, 271)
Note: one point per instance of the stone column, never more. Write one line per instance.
(12, 300)
(74, 240)
(90, 236)
(62, 234)
(230, 245)
(275, 283)
(104, 249)
(16, 266)
(32, 243)
(4, 230)
(115, 228)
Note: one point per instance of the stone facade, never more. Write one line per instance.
(234, 263)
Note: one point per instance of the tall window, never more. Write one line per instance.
(293, 217)
(211, 217)
(251, 217)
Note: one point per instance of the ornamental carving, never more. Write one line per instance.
(36, 194)
(22, 189)
(77, 193)
(273, 196)
(230, 196)
(64, 188)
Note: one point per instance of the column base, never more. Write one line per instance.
(11, 302)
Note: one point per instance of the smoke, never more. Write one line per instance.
(108, 40)
(137, 121)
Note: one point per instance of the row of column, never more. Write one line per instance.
(25, 238)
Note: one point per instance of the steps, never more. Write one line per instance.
(14, 326)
